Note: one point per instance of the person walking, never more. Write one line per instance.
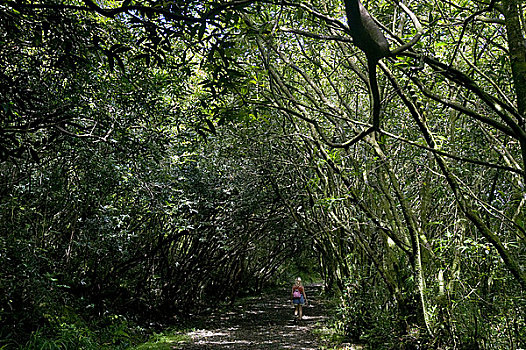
(299, 298)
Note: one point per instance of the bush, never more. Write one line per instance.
(67, 330)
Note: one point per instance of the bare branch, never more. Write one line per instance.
(418, 35)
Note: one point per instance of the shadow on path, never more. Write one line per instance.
(262, 323)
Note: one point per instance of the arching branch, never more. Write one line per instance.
(418, 35)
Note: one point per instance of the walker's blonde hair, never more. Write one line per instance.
(298, 281)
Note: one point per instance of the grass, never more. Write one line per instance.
(328, 335)
(165, 340)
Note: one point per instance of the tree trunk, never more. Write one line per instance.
(517, 47)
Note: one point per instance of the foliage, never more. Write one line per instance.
(157, 155)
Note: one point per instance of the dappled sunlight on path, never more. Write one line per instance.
(262, 323)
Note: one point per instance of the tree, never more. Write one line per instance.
(408, 181)
(319, 82)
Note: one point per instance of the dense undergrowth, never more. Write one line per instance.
(358, 318)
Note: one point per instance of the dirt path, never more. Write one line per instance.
(263, 323)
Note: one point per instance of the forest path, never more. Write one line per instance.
(261, 323)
